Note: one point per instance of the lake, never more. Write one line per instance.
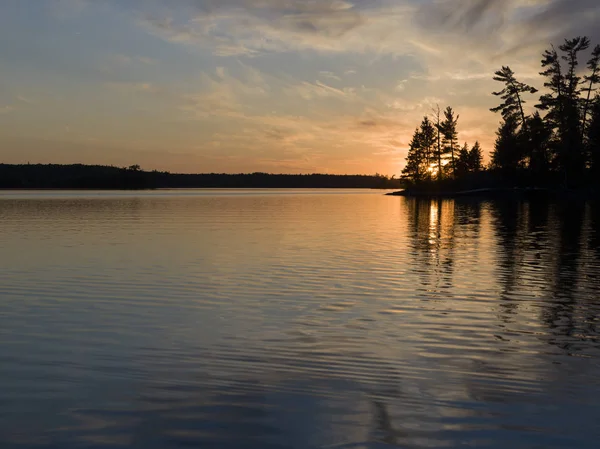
(297, 319)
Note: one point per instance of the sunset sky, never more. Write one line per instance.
(291, 86)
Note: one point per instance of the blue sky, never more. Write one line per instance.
(260, 85)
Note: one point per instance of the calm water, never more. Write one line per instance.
(299, 319)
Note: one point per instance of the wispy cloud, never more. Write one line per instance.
(253, 27)
(330, 75)
(23, 99)
(224, 95)
(249, 27)
(317, 89)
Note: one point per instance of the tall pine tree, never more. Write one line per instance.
(415, 160)
(475, 158)
(591, 80)
(538, 145)
(562, 106)
(450, 135)
(507, 149)
(511, 95)
(593, 140)
(428, 141)
(462, 161)
(552, 101)
(572, 154)
(439, 149)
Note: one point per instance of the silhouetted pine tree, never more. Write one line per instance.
(591, 80)
(513, 112)
(475, 158)
(552, 102)
(415, 160)
(593, 140)
(449, 132)
(439, 149)
(507, 153)
(462, 161)
(428, 142)
(562, 105)
(538, 145)
(572, 47)
(512, 104)
(573, 158)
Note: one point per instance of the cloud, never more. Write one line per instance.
(252, 27)
(401, 86)
(22, 99)
(310, 91)
(222, 94)
(463, 15)
(565, 15)
(510, 25)
(330, 75)
(433, 32)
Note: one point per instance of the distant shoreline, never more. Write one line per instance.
(99, 177)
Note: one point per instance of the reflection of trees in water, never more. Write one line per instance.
(467, 217)
(436, 228)
(432, 238)
(560, 310)
(592, 281)
(540, 258)
(384, 425)
(594, 238)
(509, 220)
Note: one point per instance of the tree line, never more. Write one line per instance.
(557, 145)
(78, 176)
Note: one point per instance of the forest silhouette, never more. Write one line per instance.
(77, 176)
(555, 147)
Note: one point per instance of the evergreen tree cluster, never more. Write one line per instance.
(558, 143)
(560, 139)
(434, 153)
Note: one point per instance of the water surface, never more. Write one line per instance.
(297, 319)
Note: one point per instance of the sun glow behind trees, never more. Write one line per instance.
(434, 152)
(433, 169)
(558, 144)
